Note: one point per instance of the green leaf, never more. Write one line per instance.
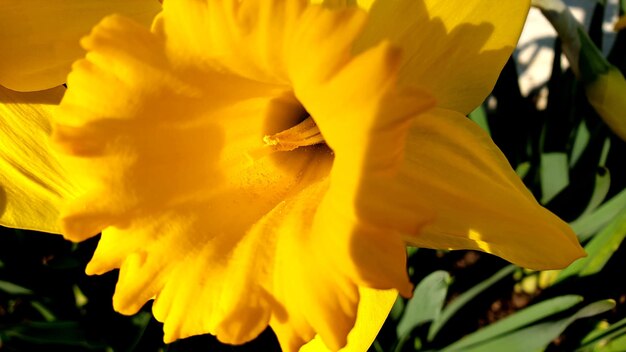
(580, 142)
(425, 306)
(601, 337)
(537, 337)
(554, 175)
(587, 225)
(49, 334)
(615, 345)
(480, 117)
(606, 147)
(79, 297)
(45, 312)
(599, 249)
(141, 321)
(397, 309)
(377, 346)
(462, 300)
(14, 289)
(522, 169)
(524, 317)
(591, 61)
(410, 251)
(600, 190)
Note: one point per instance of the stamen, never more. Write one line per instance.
(303, 134)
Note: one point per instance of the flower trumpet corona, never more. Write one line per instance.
(265, 162)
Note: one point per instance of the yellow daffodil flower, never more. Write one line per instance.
(32, 183)
(265, 162)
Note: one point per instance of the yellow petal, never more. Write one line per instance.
(259, 39)
(454, 50)
(374, 306)
(305, 273)
(455, 168)
(212, 266)
(245, 37)
(32, 183)
(39, 38)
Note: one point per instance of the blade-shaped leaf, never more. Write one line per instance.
(426, 304)
(480, 117)
(554, 175)
(50, 334)
(14, 289)
(587, 225)
(467, 296)
(537, 337)
(617, 344)
(599, 249)
(580, 142)
(600, 190)
(604, 340)
(516, 321)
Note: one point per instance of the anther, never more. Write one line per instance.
(301, 135)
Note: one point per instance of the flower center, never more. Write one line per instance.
(303, 134)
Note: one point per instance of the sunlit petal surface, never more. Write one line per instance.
(454, 49)
(480, 202)
(39, 38)
(30, 192)
(374, 307)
